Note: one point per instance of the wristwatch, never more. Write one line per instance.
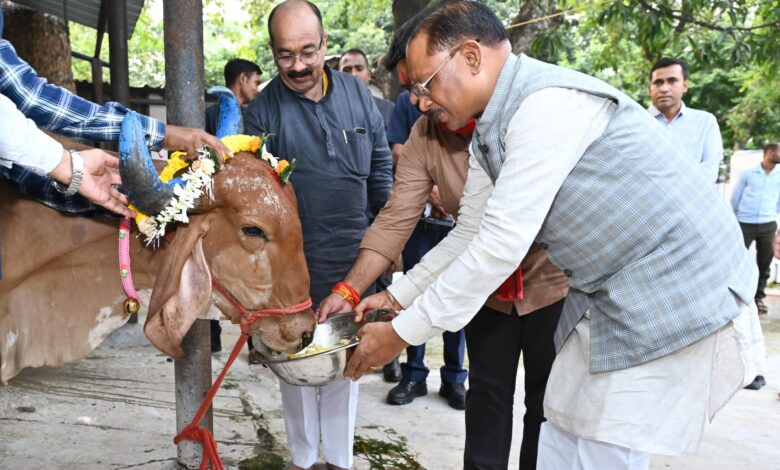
(77, 168)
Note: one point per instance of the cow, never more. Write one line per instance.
(61, 296)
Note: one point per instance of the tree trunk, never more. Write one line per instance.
(522, 37)
(403, 10)
(42, 40)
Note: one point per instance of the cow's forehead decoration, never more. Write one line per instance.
(198, 180)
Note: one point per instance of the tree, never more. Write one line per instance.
(731, 47)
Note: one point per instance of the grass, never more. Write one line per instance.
(391, 454)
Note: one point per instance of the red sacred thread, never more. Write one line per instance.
(346, 292)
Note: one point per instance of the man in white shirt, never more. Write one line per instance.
(695, 131)
(660, 282)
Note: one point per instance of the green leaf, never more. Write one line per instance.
(285, 176)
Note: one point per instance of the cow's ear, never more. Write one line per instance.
(182, 288)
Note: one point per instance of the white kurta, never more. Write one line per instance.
(660, 407)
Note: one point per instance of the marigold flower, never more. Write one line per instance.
(281, 166)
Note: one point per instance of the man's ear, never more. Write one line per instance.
(473, 54)
(685, 85)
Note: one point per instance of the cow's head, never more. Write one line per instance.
(248, 237)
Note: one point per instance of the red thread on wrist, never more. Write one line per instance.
(346, 292)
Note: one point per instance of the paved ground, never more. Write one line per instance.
(115, 410)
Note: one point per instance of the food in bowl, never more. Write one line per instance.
(315, 348)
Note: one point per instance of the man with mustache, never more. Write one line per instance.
(695, 132)
(654, 336)
(328, 123)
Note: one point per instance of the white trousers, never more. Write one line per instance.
(326, 412)
(561, 450)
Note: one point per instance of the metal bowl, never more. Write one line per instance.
(324, 367)
(327, 366)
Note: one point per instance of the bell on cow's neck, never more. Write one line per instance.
(131, 306)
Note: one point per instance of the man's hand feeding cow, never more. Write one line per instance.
(61, 293)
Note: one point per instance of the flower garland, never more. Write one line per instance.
(190, 186)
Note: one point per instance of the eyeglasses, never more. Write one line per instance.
(420, 90)
(286, 61)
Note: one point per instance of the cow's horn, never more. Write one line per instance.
(144, 188)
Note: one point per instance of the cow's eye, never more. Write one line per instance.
(254, 232)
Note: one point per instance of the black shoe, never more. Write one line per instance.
(455, 395)
(392, 371)
(757, 383)
(406, 391)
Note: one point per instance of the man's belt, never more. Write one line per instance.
(435, 225)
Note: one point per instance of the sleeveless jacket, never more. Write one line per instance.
(650, 249)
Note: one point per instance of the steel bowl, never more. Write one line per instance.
(327, 366)
(324, 367)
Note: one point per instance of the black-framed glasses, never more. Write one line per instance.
(420, 90)
(286, 61)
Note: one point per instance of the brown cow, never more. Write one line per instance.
(60, 295)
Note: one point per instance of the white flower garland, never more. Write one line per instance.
(197, 181)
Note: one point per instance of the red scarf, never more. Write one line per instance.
(466, 130)
(512, 289)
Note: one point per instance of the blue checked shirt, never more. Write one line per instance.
(756, 198)
(59, 110)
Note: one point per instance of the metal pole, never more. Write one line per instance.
(117, 47)
(193, 380)
(184, 85)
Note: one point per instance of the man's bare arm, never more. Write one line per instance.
(367, 268)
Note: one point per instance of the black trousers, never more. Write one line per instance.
(764, 235)
(494, 341)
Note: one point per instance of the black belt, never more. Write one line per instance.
(435, 225)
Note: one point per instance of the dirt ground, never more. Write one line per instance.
(115, 410)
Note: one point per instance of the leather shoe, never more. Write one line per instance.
(392, 371)
(455, 395)
(761, 306)
(757, 383)
(406, 391)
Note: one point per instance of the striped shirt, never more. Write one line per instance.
(56, 109)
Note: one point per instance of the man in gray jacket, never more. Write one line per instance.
(656, 320)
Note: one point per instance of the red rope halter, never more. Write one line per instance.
(193, 431)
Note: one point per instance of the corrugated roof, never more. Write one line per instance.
(86, 12)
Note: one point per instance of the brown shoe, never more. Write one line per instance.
(761, 306)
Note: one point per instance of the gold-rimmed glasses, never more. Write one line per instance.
(420, 90)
